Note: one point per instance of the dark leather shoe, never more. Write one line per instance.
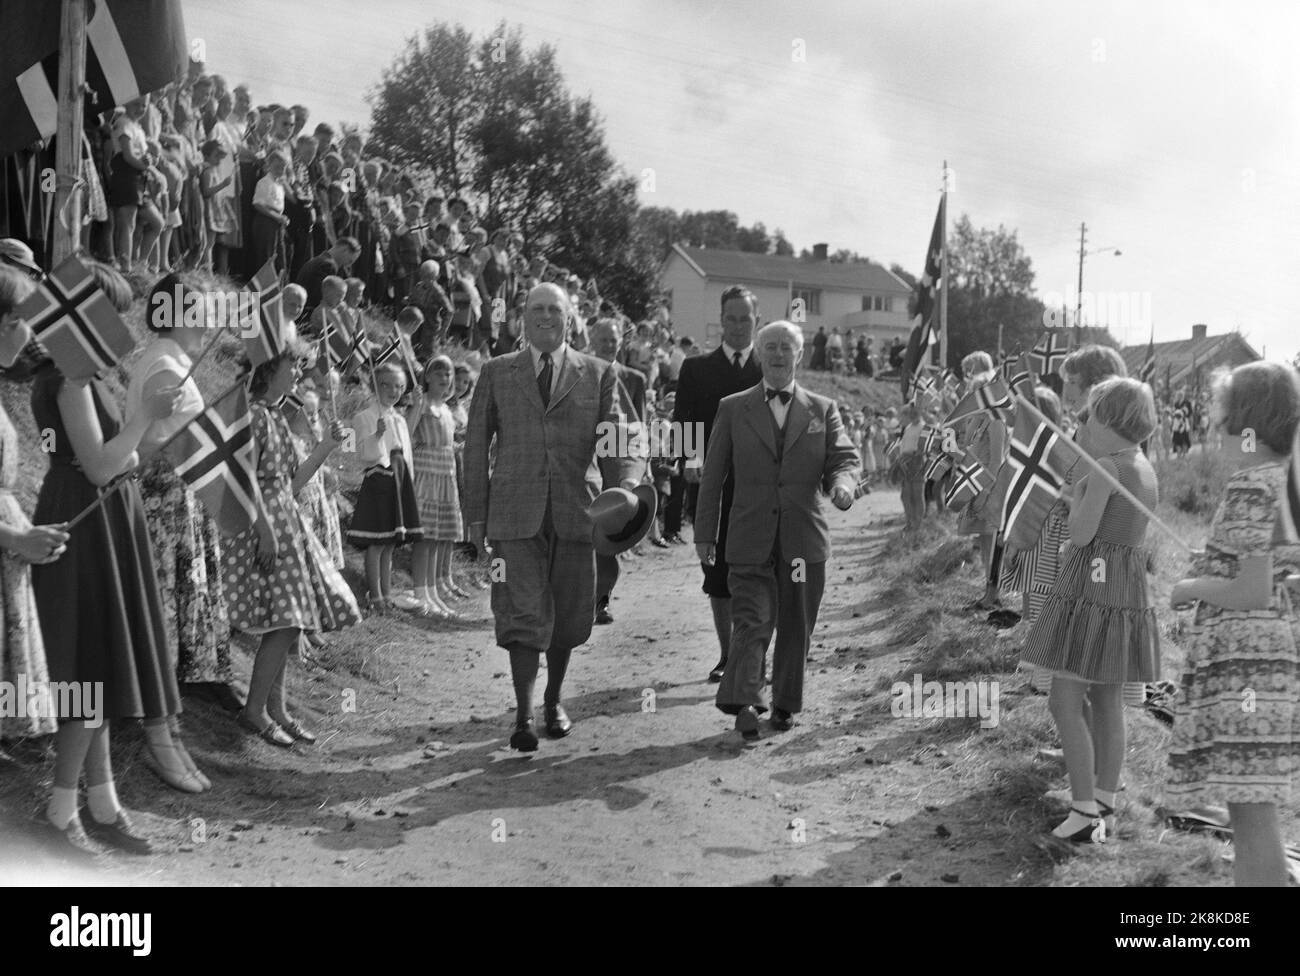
(659, 543)
(558, 724)
(121, 833)
(718, 669)
(72, 839)
(747, 723)
(603, 616)
(781, 720)
(524, 739)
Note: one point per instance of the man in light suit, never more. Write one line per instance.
(781, 446)
(545, 406)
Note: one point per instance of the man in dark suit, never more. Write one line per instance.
(782, 446)
(545, 406)
(606, 336)
(703, 382)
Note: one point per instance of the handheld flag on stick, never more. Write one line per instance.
(213, 454)
(938, 467)
(1020, 379)
(969, 479)
(1032, 478)
(1148, 369)
(1047, 356)
(75, 322)
(992, 398)
(267, 339)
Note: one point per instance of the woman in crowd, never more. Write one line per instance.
(101, 612)
(22, 545)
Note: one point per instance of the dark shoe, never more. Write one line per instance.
(781, 720)
(659, 543)
(1003, 619)
(747, 723)
(524, 739)
(273, 734)
(718, 669)
(603, 616)
(558, 724)
(72, 839)
(674, 540)
(121, 833)
(226, 696)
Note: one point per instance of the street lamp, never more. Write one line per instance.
(1078, 308)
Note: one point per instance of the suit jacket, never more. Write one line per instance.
(703, 382)
(543, 455)
(774, 499)
(633, 391)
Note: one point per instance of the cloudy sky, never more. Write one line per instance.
(1171, 128)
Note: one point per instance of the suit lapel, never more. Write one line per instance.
(798, 418)
(522, 367)
(570, 373)
(759, 416)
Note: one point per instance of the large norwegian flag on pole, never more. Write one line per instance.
(75, 321)
(132, 47)
(213, 454)
(927, 304)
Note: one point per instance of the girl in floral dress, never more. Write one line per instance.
(432, 438)
(279, 579)
(1237, 718)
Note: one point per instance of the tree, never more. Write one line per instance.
(780, 246)
(496, 122)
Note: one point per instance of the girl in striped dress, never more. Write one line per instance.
(433, 433)
(1237, 720)
(1097, 628)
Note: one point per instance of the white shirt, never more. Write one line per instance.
(557, 363)
(779, 410)
(744, 353)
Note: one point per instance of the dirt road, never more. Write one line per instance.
(417, 786)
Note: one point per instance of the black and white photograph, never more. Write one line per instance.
(691, 443)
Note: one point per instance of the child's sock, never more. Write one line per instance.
(62, 807)
(103, 802)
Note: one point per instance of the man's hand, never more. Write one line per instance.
(478, 538)
(629, 484)
(841, 498)
(705, 551)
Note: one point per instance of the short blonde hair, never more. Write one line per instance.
(977, 367)
(1093, 363)
(1124, 405)
(1262, 396)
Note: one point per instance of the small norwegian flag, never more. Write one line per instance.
(992, 398)
(970, 477)
(1020, 379)
(267, 333)
(75, 322)
(1047, 356)
(388, 352)
(213, 454)
(938, 467)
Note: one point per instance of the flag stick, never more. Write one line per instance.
(1109, 478)
(216, 334)
(104, 495)
(229, 390)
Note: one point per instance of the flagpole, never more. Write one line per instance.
(1109, 478)
(943, 283)
(104, 495)
(72, 84)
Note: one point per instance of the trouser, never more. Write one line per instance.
(676, 500)
(606, 577)
(766, 596)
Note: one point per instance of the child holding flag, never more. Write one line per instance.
(1097, 628)
(1237, 721)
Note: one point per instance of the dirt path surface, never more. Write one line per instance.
(417, 785)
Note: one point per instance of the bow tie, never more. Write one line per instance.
(783, 394)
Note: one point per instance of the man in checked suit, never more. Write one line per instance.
(545, 406)
(703, 382)
(781, 446)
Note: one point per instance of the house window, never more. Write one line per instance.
(880, 303)
(866, 303)
(812, 299)
(889, 304)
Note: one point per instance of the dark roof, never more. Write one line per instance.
(746, 266)
(1180, 354)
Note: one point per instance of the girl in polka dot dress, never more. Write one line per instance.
(279, 579)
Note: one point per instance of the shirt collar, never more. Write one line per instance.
(556, 357)
(788, 388)
(744, 353)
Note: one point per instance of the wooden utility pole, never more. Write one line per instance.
(943, 283)
(72, 84)
(1078, 302)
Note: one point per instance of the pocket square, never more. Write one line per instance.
(816, 427)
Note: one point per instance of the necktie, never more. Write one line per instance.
(735, 361)
(544, 379)
(783, 394)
